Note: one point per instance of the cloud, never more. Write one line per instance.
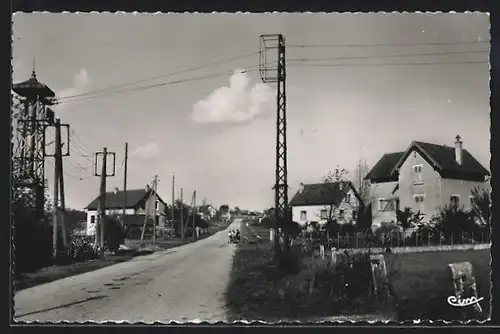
(81, 82)
(234, 103)
(147, 152)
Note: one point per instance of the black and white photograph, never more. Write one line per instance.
(238, 167)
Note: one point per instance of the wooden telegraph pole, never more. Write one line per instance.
(59, 202)
(102, 194)
(155, 198)
(194, 214)
(125, 183)
(55, 215)
(173, 205)
(182, 213)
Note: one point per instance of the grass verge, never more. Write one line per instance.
(422, 283)
(257, 290)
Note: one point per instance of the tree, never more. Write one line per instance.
(361, 185)
(224, 208)
(330, 181)
(481, 205)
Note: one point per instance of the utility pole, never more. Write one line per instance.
(173, 203)
(182, 214)
(59, 161)
(55, 215)
(125, 184)
(155, 187)
(270, 42)
(102, 194)
(194, 214)
(147, 209)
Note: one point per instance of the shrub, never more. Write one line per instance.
(114, 234)
(452, 222)
(81, 248)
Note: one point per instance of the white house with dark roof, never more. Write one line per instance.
(137, 202)
(320, 202)
(425, 177)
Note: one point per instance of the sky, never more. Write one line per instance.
(217, 134)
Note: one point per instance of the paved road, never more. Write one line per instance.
(182, 284)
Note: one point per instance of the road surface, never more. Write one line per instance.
(182, 284)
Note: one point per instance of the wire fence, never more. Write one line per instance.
(358, 240)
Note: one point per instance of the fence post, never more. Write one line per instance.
(428, 239)
(440, 239)
(416, 238)
(462, 237)
(473, 240)
(451, 241)
(338, 240)
(357, 244)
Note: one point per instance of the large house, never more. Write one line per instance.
(207, 212)
(425, 178)
(138, 203)
(321, 202)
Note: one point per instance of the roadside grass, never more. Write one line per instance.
(56, 272)
(421, 283)
(259, 291)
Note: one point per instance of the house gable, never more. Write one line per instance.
(442, 159)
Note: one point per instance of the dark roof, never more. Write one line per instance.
(323, 193)
(383, 171)
(442, 159)
(115, 201)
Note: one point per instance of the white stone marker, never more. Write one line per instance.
(271, 235)
(322, 251)
(379, 274)
(464, 284)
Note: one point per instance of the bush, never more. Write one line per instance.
(114, 234)
(81, 248)
(452, 222)
(32, 239)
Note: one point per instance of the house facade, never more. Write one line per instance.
(425, 178)
(137, 203)
(321, 202)
(207, 212)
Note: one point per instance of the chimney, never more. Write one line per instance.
(301, 188)
(458, 150)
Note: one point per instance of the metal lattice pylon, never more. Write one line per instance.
(30, 117)
(275, 71)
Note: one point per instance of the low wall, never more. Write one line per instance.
(401, 250)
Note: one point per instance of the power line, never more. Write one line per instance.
(168, 83)
(81, 141)
(383, 45)
(389, 56)
(163, 75)
(389, 64)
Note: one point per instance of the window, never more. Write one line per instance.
(348, 198)
(419, 198)
(417, 172)
(323, 215)
(341, 214)
(455, 200)
(386, 205)
(303, 215)
(92, 219)
(157, 205)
